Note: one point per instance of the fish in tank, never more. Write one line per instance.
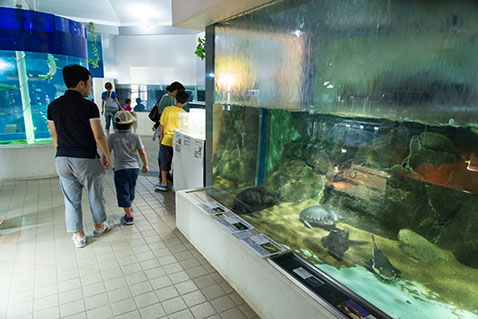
(348, 133)
(23, 112)
(406, 185)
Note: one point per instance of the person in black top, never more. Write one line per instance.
(76, 130)
(139, 107)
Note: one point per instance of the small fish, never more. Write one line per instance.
(319, 216)
(380, 265)
(252, 200)
(51, 68)
(338, 242)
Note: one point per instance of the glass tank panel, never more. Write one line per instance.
(23, 112)
(348, 132)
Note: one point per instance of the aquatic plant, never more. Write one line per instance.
(94, 62)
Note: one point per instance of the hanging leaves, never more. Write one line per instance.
(94, 62)
(201, 48)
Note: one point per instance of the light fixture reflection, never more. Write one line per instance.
(5, 65)
(473, 163)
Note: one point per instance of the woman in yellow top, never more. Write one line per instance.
(167, 124)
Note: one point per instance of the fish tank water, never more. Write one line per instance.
(348, 133)
(29, 79)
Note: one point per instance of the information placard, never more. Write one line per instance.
(213, 208)
(259, 243)
(233, 223)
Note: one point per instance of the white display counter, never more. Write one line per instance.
(269, 292)
(188, 160)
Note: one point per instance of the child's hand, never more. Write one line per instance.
(145, 168)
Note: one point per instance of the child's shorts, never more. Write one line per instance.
(125, 182)
(166, 157)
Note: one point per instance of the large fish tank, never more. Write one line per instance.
(348, 132)
(34, 47)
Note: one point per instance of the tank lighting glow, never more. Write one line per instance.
(5, 65)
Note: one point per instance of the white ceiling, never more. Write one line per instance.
(112, 12)
(118, 13)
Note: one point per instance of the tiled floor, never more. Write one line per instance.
(148, 270)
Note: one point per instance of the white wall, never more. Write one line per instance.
(196, 15)
(151, 59)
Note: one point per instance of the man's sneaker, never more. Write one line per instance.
(161, 188)
(127, 220)
(79, 241)
(104, 229)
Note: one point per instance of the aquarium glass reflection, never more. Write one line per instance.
(23, 108)
(348, 132)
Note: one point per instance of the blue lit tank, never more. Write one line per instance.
(34, 47)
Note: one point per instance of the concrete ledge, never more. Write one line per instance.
(26, 162)
(262, 286)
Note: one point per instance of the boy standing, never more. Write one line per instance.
(168, 123)
(125, 144)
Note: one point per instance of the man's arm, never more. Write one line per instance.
(100, 139)
(53, 133)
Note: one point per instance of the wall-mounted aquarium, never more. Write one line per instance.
(348, 132)
(34, 47)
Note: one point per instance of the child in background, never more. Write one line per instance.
(127, 107)
(126, 145)
(168, 123)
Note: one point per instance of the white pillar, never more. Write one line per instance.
(25, 93)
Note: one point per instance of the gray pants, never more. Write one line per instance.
(76, 173)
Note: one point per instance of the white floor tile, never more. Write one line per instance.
(173, 305)
(148, 270)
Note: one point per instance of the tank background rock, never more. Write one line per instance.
(419, 248)
(461, 234)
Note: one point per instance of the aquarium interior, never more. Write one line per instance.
(34, 47)
(43, 87)
(347, 132)
(152, 93)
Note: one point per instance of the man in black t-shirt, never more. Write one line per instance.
(76, 130)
